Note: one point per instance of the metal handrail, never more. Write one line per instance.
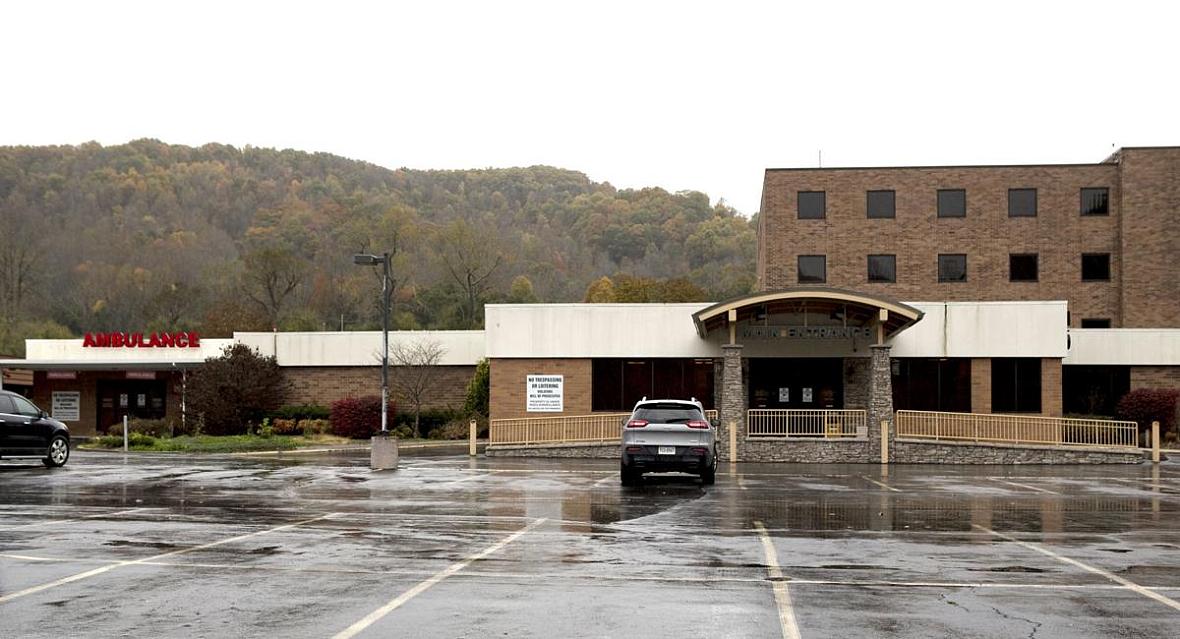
(593, 428)
(1017, 429)
(772, 423)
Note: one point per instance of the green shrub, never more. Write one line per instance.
(315, 426)
(236, 388)
(150, 427)
(402, 432)
(456, 429)
(476, 402)
(304, 411)
(428, 420)
(133, 440)
(282, 426)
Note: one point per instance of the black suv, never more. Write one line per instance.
(27, 431)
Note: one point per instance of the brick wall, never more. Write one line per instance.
(1150, 239)
(324, 385)
(507, 388)
(1051, 387)
(1059, 234)
(43, 389)
(981, 385)
(1155, 377)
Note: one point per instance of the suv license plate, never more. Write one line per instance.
(667, 450)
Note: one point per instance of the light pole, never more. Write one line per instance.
(386, 293)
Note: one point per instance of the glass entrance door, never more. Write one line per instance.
(138, 399)
(797, 383)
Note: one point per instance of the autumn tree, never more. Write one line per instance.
(415, 372)
(271, 275)
(471, 257)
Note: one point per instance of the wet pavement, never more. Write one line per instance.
(447, 546)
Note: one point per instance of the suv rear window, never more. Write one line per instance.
(667, 413)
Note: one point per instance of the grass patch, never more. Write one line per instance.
(218, 444)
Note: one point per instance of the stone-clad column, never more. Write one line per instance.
(733, 398)
(880, 391)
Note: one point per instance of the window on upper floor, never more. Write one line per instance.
(1096, 201)
(1095, 322)
(1096, 267)
(1022, 267)
(813, 205)
(1022, 202)
(952, 203)
(882, 268)
(880, 204)
(813, 269)
(952, 267)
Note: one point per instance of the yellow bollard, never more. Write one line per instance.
(472, 430)
(1155, 442)
(884, 441)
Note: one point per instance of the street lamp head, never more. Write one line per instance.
(366, 259)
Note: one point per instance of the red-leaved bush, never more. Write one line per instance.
(358, 417)
(1146, 405)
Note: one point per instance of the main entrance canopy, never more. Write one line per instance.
(808, 309)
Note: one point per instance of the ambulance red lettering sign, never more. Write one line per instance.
(141, 340)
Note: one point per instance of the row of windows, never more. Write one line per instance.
(952, 267)
(812, 205)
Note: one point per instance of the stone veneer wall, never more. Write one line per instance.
(906, 451)
(860, 451)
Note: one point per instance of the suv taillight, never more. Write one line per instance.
(637, 423)
(698, 423)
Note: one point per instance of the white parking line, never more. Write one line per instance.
(1025, 486)
(782, 596)
(396, 602)
(71, 519)
(534, 577)
(882, 485)
(98, 571)
(1167, 601)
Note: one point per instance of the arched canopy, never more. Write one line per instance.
(856, 308)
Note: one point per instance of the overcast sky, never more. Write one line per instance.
(681, 95)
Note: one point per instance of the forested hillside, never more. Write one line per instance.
(154, 236)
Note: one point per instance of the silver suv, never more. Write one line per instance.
(664, 435)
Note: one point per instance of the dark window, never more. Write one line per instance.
(1022, 202)
(932, 384)
(616, 384)
(812, 205)
(882, 268)
(1096, 201)
(26, 408)
(880, 203)
(813, 269)
(952, 203)
(1095, 267)
(952, 268)
(1016, 385)
(6, 406)
(1094, 390)
(1095, 322)
(1022, 267)
(668, 413)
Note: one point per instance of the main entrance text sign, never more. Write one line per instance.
(67, 405)
(806, 332)
(544, 393)
(139, 340)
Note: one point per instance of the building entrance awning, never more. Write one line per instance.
(831, 305)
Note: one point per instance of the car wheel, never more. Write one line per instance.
(58, 453)
(709, 477)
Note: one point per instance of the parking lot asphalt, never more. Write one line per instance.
(447, 546)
